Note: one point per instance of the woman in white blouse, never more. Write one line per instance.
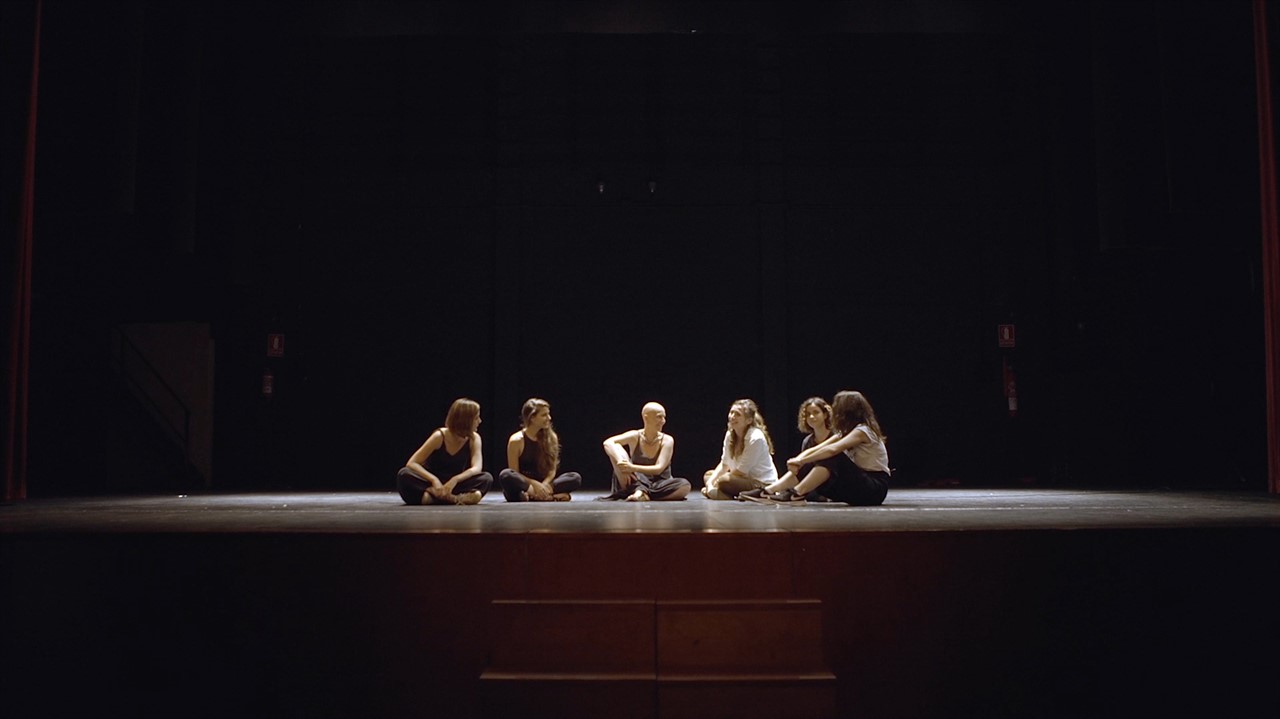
(746, 462)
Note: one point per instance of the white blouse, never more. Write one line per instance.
(755, 460)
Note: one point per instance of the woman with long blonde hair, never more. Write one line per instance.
(746, 460)
(447, 468)
(533, 458)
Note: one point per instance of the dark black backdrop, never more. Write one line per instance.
(846, 195)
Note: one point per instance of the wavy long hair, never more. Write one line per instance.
(850, 409)
(752, 412)
(547, 439)
(462, 415)
(802, 422)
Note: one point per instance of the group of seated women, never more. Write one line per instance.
(842, 459)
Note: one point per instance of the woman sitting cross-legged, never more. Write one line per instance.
(446, 469)
(641, 461)
(746, 460)
(533, 456)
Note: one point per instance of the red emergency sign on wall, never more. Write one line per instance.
(1007, 336)
(275, 345)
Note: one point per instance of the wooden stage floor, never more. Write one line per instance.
(905, 510)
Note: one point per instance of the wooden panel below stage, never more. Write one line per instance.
(1118, 622)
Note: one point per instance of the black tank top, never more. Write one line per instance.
(638, 457)
(807, 442)
(530, 459)
(444, 465)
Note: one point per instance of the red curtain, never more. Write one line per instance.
(1270, 240)
(15, 442)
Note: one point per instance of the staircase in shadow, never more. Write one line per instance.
(670, 659)
(159, 431)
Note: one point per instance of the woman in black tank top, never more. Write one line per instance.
(447, 468)
(533, 457)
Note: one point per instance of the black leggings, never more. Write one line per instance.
(513, 486)
(412, 487)
(852, 484)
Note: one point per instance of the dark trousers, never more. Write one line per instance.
(852, 484)
(412, 487)
(513, 486)
(658, 488)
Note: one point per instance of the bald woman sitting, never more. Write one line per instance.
(641, 461)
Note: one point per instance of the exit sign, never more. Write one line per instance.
(1008, 338)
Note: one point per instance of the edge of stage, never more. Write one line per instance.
(941, 602)
(905, 510)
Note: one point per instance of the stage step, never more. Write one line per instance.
(647, 658)
(588, 696)
(740, 637)
(571, 637)
(745, 697)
